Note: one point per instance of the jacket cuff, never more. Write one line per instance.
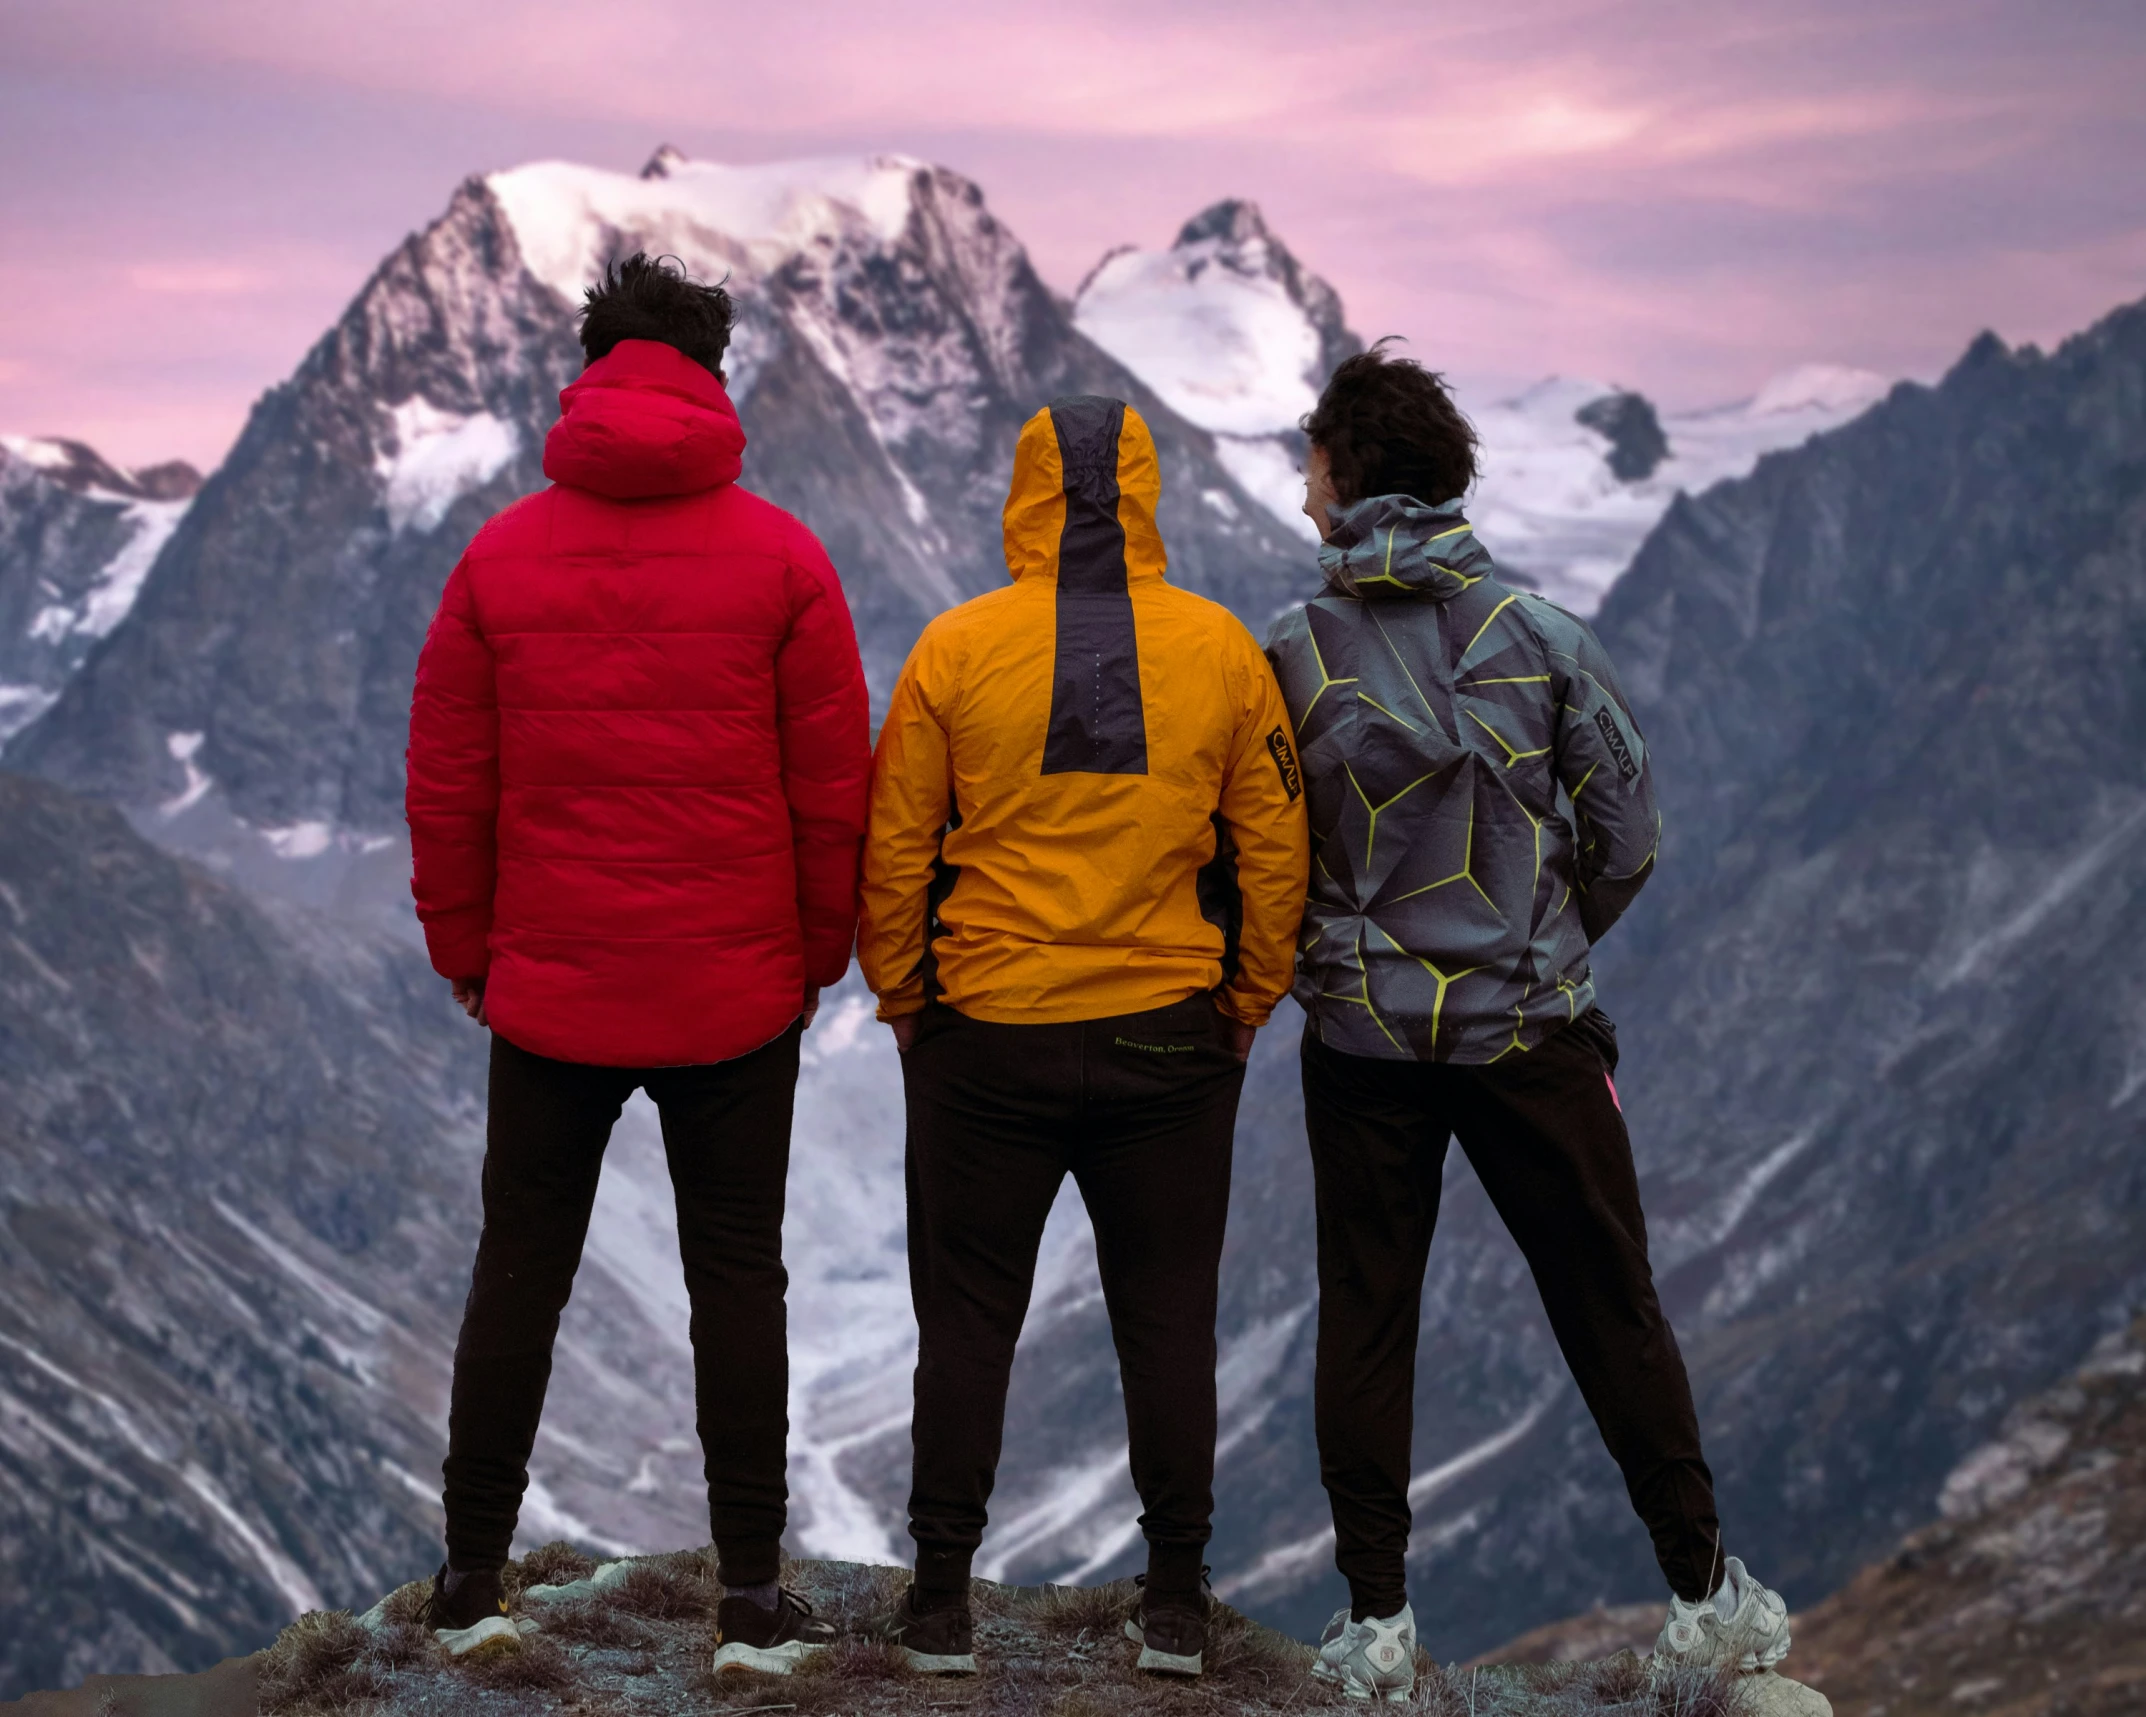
(825, 970)
(898, 1004)
(1244, 1010)
(460, 947)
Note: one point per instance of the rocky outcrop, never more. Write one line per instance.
(640, 1632)
(77, 537)
(1629, 423)
(2028, 1595)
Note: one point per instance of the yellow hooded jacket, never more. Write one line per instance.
(1085, 800)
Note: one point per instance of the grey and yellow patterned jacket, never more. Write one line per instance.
(1481, 810)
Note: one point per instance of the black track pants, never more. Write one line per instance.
(1140, 1110)
(726, 1133)
(1544, 1135)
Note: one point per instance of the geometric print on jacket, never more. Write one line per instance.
(1480, 803)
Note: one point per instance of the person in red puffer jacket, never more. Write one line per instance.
(637, 775)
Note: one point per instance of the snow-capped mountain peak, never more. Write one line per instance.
(1225, 325)
(1233, 332)
(712, 217)
(84, 471)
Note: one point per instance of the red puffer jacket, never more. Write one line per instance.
(638, 751)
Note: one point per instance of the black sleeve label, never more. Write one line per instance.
(1285, 761)
(1618, 750)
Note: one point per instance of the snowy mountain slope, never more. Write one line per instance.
(1234, 332)
(1230, 329)
(77, 538)
(1554, 513)
(238, 1200)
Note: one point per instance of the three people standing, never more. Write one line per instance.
(638, 782)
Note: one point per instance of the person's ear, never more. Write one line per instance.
(722, 377)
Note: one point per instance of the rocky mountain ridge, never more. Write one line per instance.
(77, 539)
(892, 338)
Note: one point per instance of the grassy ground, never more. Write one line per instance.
(1051, 1651)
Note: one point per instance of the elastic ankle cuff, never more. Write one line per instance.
(750, 1562)
(1174, 1570)
(458, 1563)
(943, 1574)
(1377, 1609)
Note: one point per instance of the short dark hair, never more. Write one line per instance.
(1389, 427)
(653, 298)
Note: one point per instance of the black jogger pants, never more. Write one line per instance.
(1545, 1136)
(726, 1133)
(1141, 1110)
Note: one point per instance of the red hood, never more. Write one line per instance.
(645, 420)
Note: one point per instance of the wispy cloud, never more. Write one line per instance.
(1678, 194)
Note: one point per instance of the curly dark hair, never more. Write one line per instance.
(653, 298)
(1389, 427)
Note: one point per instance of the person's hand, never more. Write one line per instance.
(470, 993)
(904, 1027)
(811, 1009)
(1239, 1036)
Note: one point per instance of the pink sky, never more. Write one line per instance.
(1681, 197)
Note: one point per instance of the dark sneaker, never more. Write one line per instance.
(938, 1642)
(752, 1636)
(472, 1614)
(1171, 1632)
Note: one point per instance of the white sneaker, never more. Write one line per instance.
(1370, 1659)
(1744, 1627)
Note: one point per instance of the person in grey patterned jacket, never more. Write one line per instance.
(1481, 814)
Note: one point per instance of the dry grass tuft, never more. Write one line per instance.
(402, 1605)
(856, 1660)
(1057, 1611)
(538, 1667)
(399, 1645)
(665, 1589)
(593, 1622)
(319, 1663)
(554, 1564)
(848, 1594)
(1619, 1680)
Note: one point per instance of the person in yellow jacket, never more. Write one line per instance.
(1086, 863)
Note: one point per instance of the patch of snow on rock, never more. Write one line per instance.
(436, 457)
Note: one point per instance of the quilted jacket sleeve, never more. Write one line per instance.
(912, 800)
(824, 716)
(1263, 804)
(452, 795)
(1602, 761)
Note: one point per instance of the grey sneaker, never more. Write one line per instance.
(1743, 1627)
(1370, 1659)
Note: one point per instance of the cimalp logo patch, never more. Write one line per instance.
(1285, 760)
(1156, 1048)
(1618, 750)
